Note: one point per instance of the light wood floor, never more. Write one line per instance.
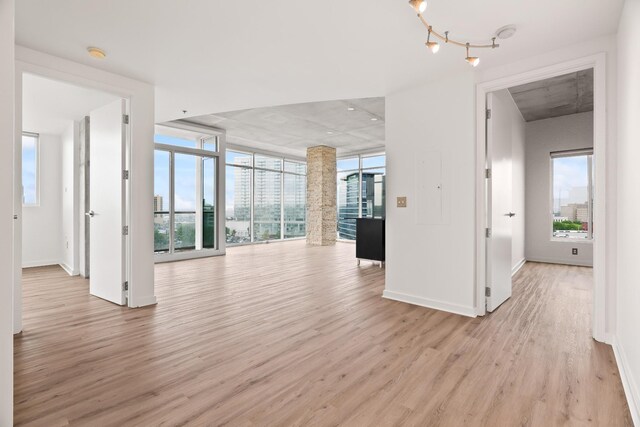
(283, 334)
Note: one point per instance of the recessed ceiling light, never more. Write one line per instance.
(351, 109)
(96, 52)
(329, 132)
(374, 119)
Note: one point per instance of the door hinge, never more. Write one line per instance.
(487, 232)
(125, 174)
(487, 291)
(125, 286)
(487, 173)
(125, 119)
(125, 230)
(488, 113)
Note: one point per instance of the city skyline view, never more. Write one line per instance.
(570, 181)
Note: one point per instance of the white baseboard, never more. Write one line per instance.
(560, 261)
(518, 266)
(429, 303)
(631, 390)
(69, 270)
(40, 263)
(143, 301)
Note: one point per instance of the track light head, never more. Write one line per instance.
(419, 5)
(473, 60)
(433, 46)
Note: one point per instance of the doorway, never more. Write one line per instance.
(188, 200)
(496, 259)
(59, 142)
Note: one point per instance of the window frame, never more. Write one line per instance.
(589, 153)
(360, 170)
(200, 135)
(36, 136)
(253, 168)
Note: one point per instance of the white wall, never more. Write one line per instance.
(41, 231)
(70, 199)
(628, 333)
(6, 209)
(543, 137)
(517, 132)
(430, 243)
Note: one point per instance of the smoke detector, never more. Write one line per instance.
(506, 32)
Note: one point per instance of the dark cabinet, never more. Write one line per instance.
(370, 239)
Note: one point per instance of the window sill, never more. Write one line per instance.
(571, 240)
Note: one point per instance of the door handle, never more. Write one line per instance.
(510, 214)
(90, 213)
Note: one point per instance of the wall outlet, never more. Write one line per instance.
(402, 202)
(574, 251)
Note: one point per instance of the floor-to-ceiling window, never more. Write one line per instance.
(361, 191)
(186, 187)
(265, 198)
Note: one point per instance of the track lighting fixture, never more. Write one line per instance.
(420, 6)
(433, 46)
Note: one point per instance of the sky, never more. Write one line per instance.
(185, 180)
(570, 180)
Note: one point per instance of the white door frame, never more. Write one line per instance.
(43, 65)
(598, 63)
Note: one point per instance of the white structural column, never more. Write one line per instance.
(321, 196)
(7, 78)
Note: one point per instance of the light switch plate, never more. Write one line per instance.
(402, 202)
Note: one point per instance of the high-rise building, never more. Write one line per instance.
(350, 193)
(157, 203)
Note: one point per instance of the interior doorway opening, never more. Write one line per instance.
(74, 146)
(541, 158)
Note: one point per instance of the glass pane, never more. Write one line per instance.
(267, 162)
(266, 210)
(373, 162)
(185, 197)
(295, 167)
(210, 144)
(238, 204)
(348, 164)
(161, 201)
(571, 214)
(295, 192)
(29, 169)
(209, 203)
(348, 190)
(174, 140)
(373, 187)
(236, 158)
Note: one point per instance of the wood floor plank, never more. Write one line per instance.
(285, 334)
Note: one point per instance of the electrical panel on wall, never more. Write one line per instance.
(432, 188)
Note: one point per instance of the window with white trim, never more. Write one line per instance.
(572, 194)
(30, 169)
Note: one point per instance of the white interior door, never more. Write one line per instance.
(499, 203)
(107, 241)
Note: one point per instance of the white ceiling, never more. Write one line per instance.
(290, 129)
(207, 56)
(50, 106)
